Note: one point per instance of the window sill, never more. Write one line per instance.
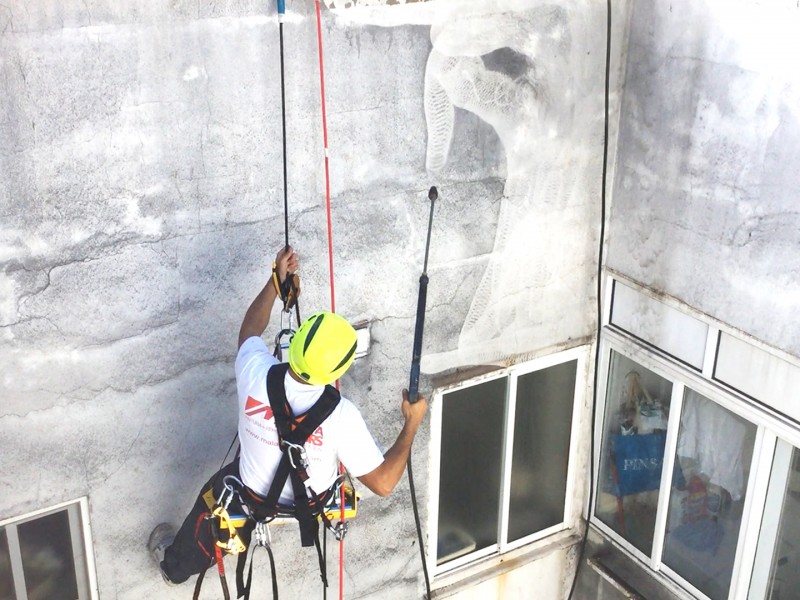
(457, 580)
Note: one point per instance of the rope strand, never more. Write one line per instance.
(283, 123)
(330, 251)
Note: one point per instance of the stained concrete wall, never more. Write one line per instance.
(705, 205)
(141, 202)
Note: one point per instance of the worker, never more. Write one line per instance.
(320, 352)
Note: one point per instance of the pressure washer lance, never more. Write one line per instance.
(413, 386)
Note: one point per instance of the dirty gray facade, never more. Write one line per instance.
(141, 205)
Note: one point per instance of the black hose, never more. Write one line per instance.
(599, 306)
(419, 528)
(413, 385)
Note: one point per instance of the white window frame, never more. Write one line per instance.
(770, 428)
(80, 536)
(764, 553)
(579, 354)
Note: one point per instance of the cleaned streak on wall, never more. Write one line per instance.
(526, 69)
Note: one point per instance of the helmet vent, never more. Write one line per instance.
(346, 358)
(312, 332)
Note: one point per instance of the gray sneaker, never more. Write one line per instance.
(160, 539)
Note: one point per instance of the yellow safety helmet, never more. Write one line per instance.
(323, 348)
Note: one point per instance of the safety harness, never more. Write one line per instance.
(232, 532)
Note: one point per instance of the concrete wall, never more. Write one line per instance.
(141, 206)
(705, 205)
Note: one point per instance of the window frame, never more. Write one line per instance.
(80, 538)
(771, 521)
(580, 354)
(770, 429)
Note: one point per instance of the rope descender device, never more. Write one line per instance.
(227, 524)
(288, 290)
(234, 543)
(334, 510)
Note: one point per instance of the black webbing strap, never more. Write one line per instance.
(243, 588)
(294, 431)
(297, 429)
(199, 583)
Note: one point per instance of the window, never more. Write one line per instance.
(697, 482)
(503, 459)
(711, 470)
(42, 556)
(777, 572)
(635, 425)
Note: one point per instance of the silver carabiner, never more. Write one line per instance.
(290, 318)
(262, 535)
(302, 456)
(229, 490)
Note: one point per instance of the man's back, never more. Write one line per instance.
(343, 436)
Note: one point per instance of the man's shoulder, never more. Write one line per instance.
(348, 410)
(254, 355)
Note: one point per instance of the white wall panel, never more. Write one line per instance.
(672, 331)
(759, 374)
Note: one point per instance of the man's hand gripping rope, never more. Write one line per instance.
(285, 278)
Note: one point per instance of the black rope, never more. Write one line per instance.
(283, 122)
(325, 556)
(291, 285)
(599, 307)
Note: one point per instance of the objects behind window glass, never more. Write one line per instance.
(784, 578)
(713, 457)
(632, 454)
(542, 426)
(473, 428)
(46, 548)
(6, 578)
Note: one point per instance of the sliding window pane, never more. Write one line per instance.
(542, 425)
(46, 547)
(473, 428)
(6, 577)
(632, 453)
(712, 465)
(776, 575)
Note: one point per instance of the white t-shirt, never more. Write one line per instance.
(343, 436)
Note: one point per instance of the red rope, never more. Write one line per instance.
(330, 252)
(325, 146)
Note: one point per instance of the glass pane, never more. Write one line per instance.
(784, 572)
(469, 478)
(542, 427)
(634, 434)
(47, 560)
(6, 578)
(712, 465)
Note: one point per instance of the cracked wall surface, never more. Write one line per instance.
(706, 198)
(141, 205)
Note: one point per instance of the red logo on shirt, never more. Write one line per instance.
(253, 407)
(316, 437)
